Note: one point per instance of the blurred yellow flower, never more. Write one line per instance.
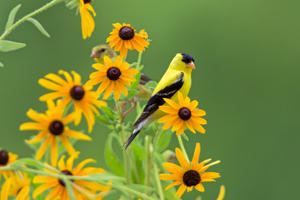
(52, 126)
(114, 76)
(6, 158)
(85, 100)
(16, 185)
(124, 37)
(222, 193)
(82, 189)
(87, 21)
(189, 175)
(182, 115)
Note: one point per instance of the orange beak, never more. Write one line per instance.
(94, 55)
(191, 65)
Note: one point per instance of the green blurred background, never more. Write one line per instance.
(247, 79)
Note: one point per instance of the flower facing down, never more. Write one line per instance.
(82, 189)
(71, 89)
(6, 158)
(87, 21)
(114, 76)
(52, 126)
(182, 115)
(124, 37)
(189, 175)
(17, 185)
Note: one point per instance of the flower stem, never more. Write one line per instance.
(182, 146)
(139, 60)
(125, 156)
(156, 172)
(148, 161)
(23, 19)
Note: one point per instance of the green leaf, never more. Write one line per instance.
(163, 140)
(112, 161)
(38, 26)
(151, 84)
(185, 137)
(6, 46)
(107, 110)
(11, 16)
(1, 64)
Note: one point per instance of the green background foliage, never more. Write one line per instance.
(247, 79)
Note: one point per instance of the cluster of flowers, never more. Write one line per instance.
(113, 76)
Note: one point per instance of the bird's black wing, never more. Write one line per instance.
(158, 99)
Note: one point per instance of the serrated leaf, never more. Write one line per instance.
(11, 16)
(39, 26)
(112, 161)
(1, 64)
(6, 45)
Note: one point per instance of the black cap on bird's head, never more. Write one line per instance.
(188, 60)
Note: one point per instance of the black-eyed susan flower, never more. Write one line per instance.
(17, 185)
(124, 37)
(70, 89)
(114, 76)
(189, 175)
(87, 21)
(52, 126)
(6, 158)
(82, 189)
(182, 115)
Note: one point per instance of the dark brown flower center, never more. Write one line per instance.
(184, 113)
(67, 173)
(191, 178)
(56, 127)
(113, 73)
(87, 1)
(4, 157)
(126, 33)
(77, 92)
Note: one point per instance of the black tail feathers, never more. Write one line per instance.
(131, 138)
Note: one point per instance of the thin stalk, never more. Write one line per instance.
(125, 156)
(182, 146)
(135, 171)
(148, 161)
(156, 172)
(159, 186)
(23, 19)
(139, 60)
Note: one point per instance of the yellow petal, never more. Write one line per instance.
(196, 156)
(42, 188)
(222, 193)
(54, 152)
(173, 168)
(181, 159)
(42, 149)
(76, 135)
(180, 191)
(200, 187)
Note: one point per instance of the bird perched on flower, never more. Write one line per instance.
(98, 53)
(176, 78)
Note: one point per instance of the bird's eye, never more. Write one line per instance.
(102, 50)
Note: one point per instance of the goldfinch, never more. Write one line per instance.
(176, 78)
(98, 53)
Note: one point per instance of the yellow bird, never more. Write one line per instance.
(98, 53)
(176, 78)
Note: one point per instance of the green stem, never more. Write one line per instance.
(125, 156)
(20, 21)
(156, 172)
(182, 146)
(148, 161)
(160, 189)
(139, 60)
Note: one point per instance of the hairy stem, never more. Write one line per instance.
(23, 19)
(182, 146)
